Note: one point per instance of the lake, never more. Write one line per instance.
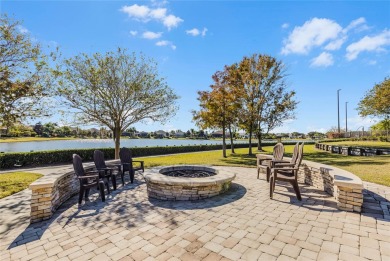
(99, 143)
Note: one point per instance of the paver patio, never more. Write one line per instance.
(241, 224)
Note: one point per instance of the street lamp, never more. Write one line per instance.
(338, 110)
(346, 117)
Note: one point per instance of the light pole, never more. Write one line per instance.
(338, 110)
(346, 117)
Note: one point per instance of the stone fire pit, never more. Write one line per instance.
(185, 182)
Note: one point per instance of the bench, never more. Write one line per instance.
(344, 186)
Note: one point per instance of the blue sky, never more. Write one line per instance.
(326, 45)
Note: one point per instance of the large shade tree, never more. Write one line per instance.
(266, 100)
(24, 74)
(219, 107)
(116, 90)
(376, 103)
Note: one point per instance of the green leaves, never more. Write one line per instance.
(115, 89)
(25, 77)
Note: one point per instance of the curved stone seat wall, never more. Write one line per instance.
(353, 151)
(50, 191)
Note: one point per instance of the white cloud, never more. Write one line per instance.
(204, 31)
(368, 44)
(166, 43)
(193, 32)
(196, 32)
(372, 62)
(133, 33)
(313, 33)
(357, 24)
(336, 44)
(151, 35)
(146, 14)
(158, 13)
(325, 59)
(23, 30)
(285, 26)
(136, 11)
(171, 21)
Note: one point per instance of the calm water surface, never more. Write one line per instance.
(98, 143)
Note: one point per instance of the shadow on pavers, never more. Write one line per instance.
(374, 205)
(91, 207)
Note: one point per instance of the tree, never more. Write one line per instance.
(115, 90)
(24, 75)
(266, 102)
(376, 102)
(217, 106)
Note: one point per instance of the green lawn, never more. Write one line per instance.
(372, 169)
(13, 182)
(374, 144)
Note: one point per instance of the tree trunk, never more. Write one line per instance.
(223, 139)
(231, 138)
(259, 148)
(117, 140)
(250, 140)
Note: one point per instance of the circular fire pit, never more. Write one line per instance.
(186, 182)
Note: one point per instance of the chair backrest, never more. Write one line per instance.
(300, 156)
(78, 165)
(295, 153)
(98, 158)
(125, 155)
(278, 151)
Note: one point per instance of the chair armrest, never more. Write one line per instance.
(282, 164)
(106, 168)
(140, 161)
(91, 172)
(280, 161)
(88, 177)
(276, 169)
(261, 160)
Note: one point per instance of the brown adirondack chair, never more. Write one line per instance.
(287, 174)
(127, 163)
(104, 171)
(88, 180)
(286, 163)
(266, 163)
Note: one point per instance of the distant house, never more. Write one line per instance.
(160, 134)
(180, 134)
(142, 134)
(218, 134)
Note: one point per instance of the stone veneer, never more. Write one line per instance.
(50, 191)
(346, 187)
(164, 187)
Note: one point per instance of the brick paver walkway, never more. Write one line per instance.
(242, 224)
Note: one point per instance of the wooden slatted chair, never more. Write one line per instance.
(128, 163)
(286, 163)
(88, 180)
(104, 171)
(287, 174)
(266, 163)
